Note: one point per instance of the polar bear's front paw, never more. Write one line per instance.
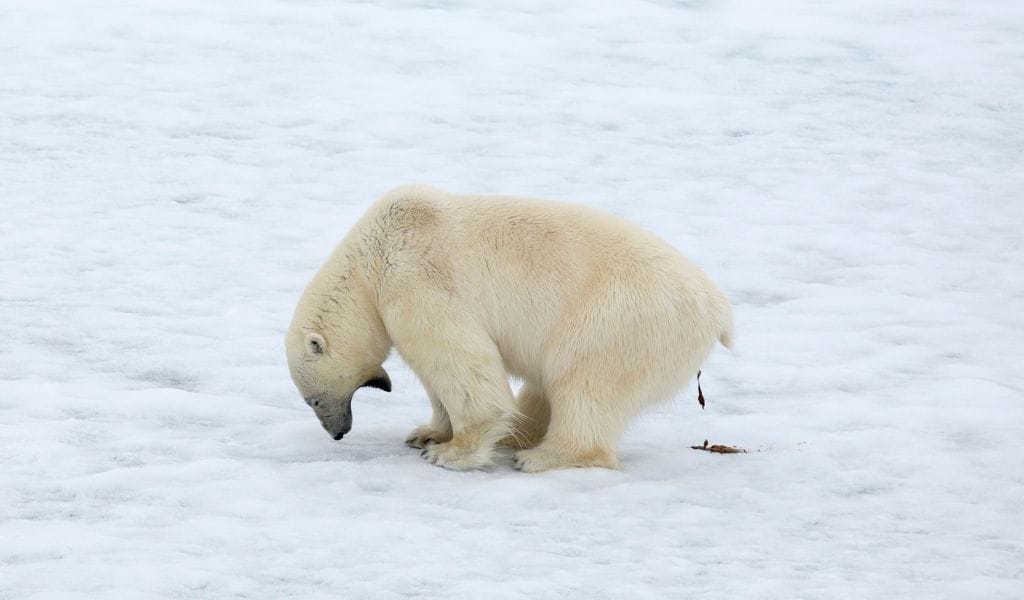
(426, 435)
(456, 457)
(545, 458)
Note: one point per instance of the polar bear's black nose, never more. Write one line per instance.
(338, 436)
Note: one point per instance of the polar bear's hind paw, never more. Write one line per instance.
(541, 458)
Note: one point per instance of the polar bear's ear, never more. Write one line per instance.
(315, 343)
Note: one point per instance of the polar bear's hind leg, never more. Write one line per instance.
(583, 431)
(531, 424)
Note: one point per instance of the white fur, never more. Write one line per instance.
(598, 317)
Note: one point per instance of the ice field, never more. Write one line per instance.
(851, 173)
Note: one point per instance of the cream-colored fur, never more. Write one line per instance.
(598, 317)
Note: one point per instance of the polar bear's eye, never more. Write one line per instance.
(315, 347)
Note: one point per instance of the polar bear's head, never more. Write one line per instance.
(335, 346)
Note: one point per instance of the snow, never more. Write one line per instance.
(850, 172)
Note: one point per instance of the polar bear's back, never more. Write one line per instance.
(551, 279)
(532, 233)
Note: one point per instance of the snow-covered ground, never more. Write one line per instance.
(851, 172)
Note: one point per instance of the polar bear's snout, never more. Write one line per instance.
(335, 414)
(341, 425)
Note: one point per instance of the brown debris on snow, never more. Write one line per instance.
(719, 449)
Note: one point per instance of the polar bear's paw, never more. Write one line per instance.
(426, 435)
(458, 457)
(545, 458)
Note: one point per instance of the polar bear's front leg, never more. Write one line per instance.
(479, 404)
(437, 431)
(460, 366)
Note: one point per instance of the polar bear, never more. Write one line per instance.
(597, 317)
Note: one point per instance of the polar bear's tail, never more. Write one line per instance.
(726, 337)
